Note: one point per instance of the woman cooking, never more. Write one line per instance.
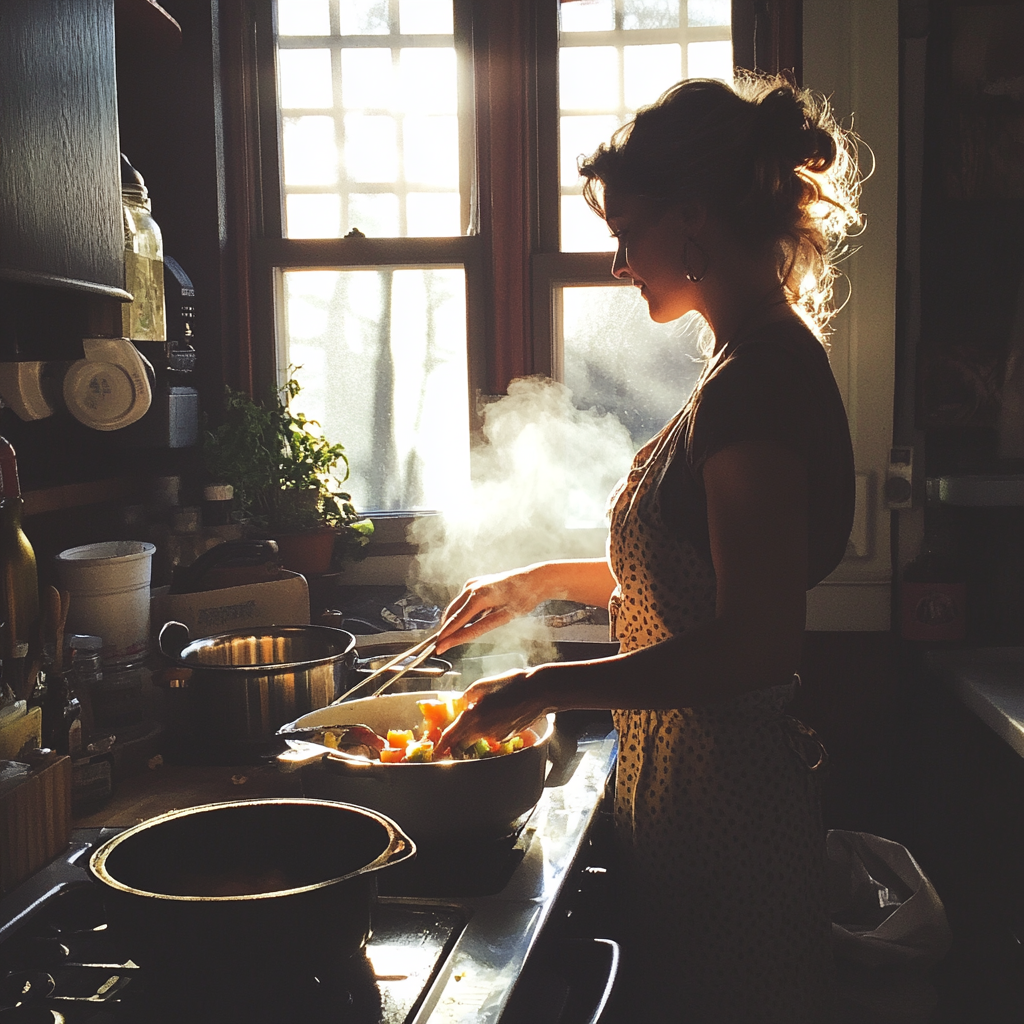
(728, 202)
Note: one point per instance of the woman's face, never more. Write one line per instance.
(650, 254)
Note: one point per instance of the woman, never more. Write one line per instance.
(727, 202)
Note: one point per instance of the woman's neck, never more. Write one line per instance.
(742, 293)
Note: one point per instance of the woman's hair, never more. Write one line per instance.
(765, 157)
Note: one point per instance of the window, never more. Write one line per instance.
(420, 236)
(367, 233)
(614, 56)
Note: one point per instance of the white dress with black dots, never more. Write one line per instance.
(717, 820)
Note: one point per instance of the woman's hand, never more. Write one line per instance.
(485, 603)
(497, 708)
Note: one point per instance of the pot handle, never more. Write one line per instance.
(173, 639)
(401, 848)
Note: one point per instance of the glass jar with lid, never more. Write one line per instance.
(144, 318)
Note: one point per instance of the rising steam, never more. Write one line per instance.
(541, 482)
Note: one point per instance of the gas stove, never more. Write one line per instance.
(455, 936)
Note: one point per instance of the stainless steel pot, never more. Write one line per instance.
(438, 804)
(242, 686)
(262, 888)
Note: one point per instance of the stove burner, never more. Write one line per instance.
(352, 996)
(64, 967)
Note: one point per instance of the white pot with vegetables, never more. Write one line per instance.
(389, 766)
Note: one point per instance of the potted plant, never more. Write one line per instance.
(287, 479)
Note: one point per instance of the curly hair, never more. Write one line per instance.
(765, 157)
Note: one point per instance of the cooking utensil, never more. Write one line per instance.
(417, 653)
(436, 803)
(246, 684)
(303, 752)
(277, 888)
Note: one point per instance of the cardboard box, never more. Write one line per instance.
(279, 602)
(35, 820)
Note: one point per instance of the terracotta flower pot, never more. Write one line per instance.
(309, 552)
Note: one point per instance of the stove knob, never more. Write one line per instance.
(23, 988)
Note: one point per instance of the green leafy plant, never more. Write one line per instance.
(287, 476)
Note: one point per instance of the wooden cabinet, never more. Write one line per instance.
(60, 195)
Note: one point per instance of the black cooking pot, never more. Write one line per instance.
(268, 890)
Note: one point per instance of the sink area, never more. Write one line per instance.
(990, 681)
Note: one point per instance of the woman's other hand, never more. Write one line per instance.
(497, 708)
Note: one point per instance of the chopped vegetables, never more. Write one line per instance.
(411, 746)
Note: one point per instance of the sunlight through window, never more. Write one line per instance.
(383, 366)
(387, 74)
(614, 56)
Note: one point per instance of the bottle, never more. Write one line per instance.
(143, 319)
(933, 592)
(19, 603)
(62, 716)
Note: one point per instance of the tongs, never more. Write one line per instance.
(416, 654)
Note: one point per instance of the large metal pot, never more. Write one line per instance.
(439, 804)
(273, 889)
(242, 686)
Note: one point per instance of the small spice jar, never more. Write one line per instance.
(218, 503)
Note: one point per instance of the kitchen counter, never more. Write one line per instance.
(989, 681)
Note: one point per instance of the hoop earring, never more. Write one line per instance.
(694, 275)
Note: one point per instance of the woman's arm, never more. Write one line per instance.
(757, 518)
(487, 602)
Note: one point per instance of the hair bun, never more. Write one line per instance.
(785, 125)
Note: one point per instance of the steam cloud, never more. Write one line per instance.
(541, 485)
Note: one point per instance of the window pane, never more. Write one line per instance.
(709, 60)
(425, 16)
(313, 216)
(371, 147)
(432, 214)
(582, 229)
(431, 148)
(310, 154)
(383, 368)
(394, 117)
(428, 80)
(707, 13)
(649, 70)
(364, 17)
(305, 78)
(366, 79)
(303, 18)
(650, 14)
(588, 78)
(618, 360)
(375, 215)
(580, 136)
(587, 16)
(612, 71)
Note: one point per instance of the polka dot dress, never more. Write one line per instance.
(717, 820)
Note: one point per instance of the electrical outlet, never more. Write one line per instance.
(899, 478)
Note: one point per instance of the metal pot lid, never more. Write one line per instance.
(276, 648)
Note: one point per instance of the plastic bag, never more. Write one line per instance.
(885, 911)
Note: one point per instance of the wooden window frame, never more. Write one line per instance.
(513, 259)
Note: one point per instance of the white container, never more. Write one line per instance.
(109, 588)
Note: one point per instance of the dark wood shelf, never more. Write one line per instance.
(69, 496)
